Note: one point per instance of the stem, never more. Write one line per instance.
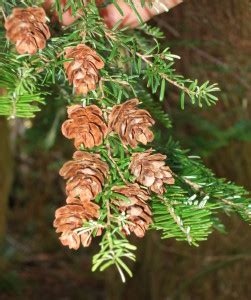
(164, 76)
(3, 13)
(110, 79)
(196, 187)
(146, 60)
(115, 164)
(193, 185)
(176, 219)
(108, 213)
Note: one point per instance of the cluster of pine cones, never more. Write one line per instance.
(86, 174)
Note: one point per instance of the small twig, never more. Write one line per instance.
(110, 34)
(176, 219)
(146, 60)
(164, 76)
(3, 13)
(196, 187)
(122, 82)
(101, 89)
(234, 204)
(109, 215)
(115, 164)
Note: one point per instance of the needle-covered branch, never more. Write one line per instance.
(121, 181)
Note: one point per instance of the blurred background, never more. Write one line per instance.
(214, 40)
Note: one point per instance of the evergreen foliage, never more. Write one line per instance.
(135, 66)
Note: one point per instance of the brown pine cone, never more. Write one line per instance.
(82, 71)
(137, 211)
(86, 174)
(91, 209)
(150, 170)
(27, 28)
(68, 218)
(131, 123)
(85, 125)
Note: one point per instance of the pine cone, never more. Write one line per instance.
(150, 170)
(137, 211)
(69, 218)
(86, 175)
(131, 123)
(91, 209)
(85, 125)
(82, 71)
(27, 28)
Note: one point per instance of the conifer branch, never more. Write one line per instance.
(197, 188)
(114, 174)
(146, 59)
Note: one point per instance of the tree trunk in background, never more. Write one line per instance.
(6, 164)
(213, 39)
